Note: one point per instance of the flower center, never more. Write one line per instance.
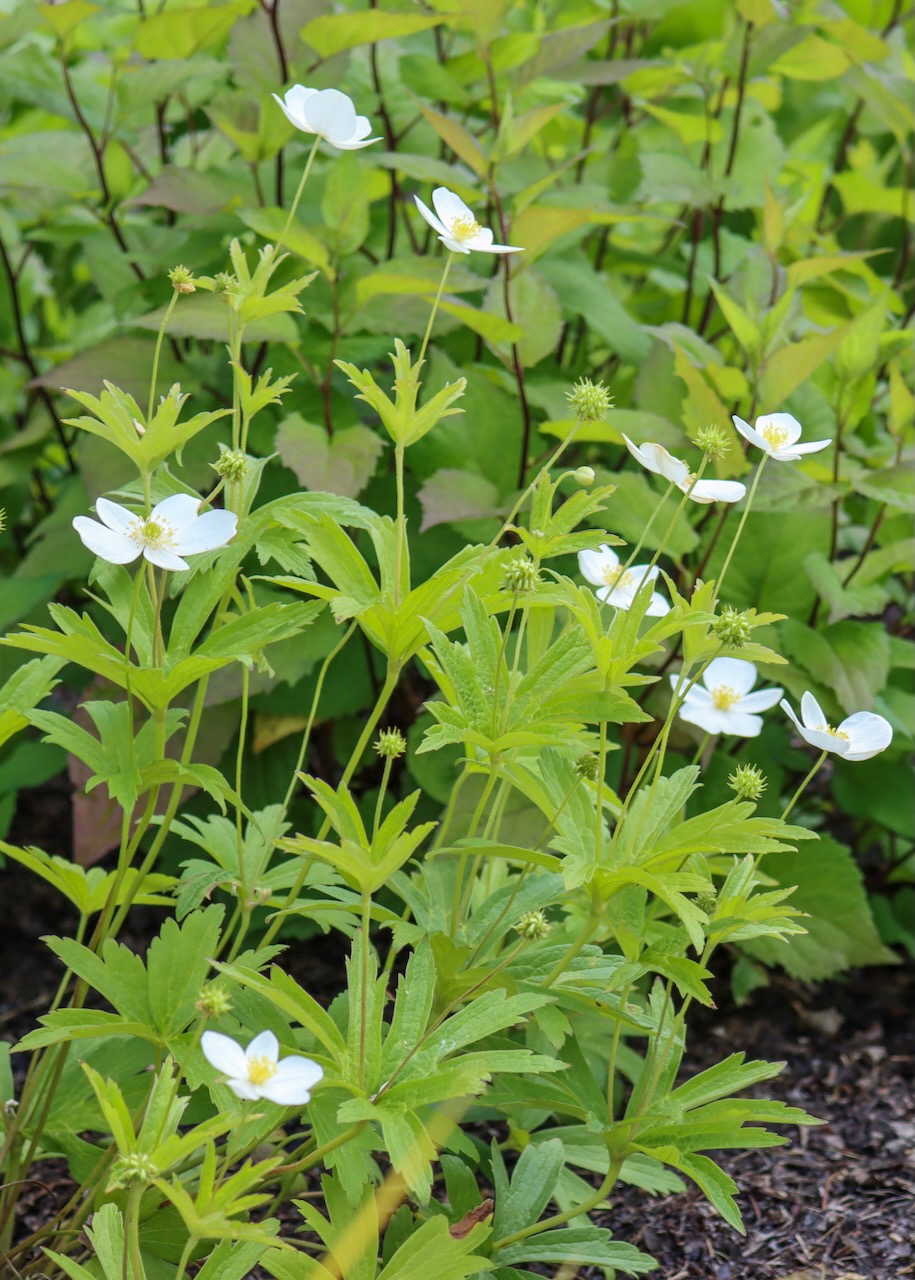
(260, 1070)
(724, 697)
(833, 733)
(465, 229)
(776, 436)
(153, 533)
(618, 578)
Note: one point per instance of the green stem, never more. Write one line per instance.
(462, 864)
(316, 1156)
(676, 515)
(614, 1050)
(155, 365)
(743, 520)
(364, 982)
(797, 795)
(647, 529)
(185, 1258)
(132, 1236)
(401, 523)
(435, 304)
(564, 961)
(298, 195)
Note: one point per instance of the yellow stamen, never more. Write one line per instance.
(464, 229)
(776, 436)
(260, 1070)
(833, 733)
(617, 577)
(152, 533)
(724, 697)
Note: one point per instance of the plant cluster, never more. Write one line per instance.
(531, 854)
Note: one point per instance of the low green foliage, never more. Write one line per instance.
(446, 672)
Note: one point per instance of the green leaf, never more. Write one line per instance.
(343, 463)
(332, 33)
(578, 1247)
(850, 658)
(177, 962)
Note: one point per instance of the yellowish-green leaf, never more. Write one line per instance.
(457, 138)
(333, 33)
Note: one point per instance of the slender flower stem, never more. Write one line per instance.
(647, 529)
(298, 195)
(438, 298)
(401, 523)
(676, 515)
(155, 365)
(743, 520)
(797, 795)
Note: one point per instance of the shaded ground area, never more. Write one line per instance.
(837, 1203)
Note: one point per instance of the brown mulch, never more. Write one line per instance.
(837, 1203)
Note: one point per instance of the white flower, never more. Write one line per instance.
(172, 530)
(328, 113)
(858, 737)
(777, 435)
(616, 587)
(655, 458)
(723, 703)
(255, 1072)
(457, 228)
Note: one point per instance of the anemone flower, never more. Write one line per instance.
(256, 1072)
(655, 458)
(858, 737)
(173, 529)
(777, 434)
(456, 226)
(328, 113)
(724, 701)
(617, 586)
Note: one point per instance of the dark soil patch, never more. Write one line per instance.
(837, 1203)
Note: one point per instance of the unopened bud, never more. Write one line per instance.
(135, 1169)
(713, 441)
(748, 781)
(533, 925)
(231, 464)
(213, 1001)
(732, 627)
(223, 281)
(391, 744)
(707, 902)
(182, 280)
(586, 766)
(590, 400)
(585, 476)
(521, 576)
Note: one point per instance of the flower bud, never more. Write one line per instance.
(707, 902)
(533, 925)
(231, 464)
(391, 744)
(135, 1169)
(590, 400)
(713, 441)
(521, 576)
(584, 476)
(732, 627)
(213, 1001)
(748, 781)
(182, 280)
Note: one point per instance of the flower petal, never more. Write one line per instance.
(593, 565)
(736, 673)
(710, 719)
(797, 450)
(450, 207)
(430, 217)
(293, 1082)
(789, 711)
(749, 434)
(294, 99)
(868, 734)
(498, 248)
(110, 546)
(761, 700)
(779, 422)
(244, 1089)
(164, 559)
(211, 530)
(742, 725)
(331, 115)
(224, 1053)
(114, 516)
(264, 1045)
(812, 713)
(706, 491)
(177, 511)
(658, 607)
(353, 144)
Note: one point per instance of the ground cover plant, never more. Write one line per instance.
(455, 478)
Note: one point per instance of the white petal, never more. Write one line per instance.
(331, 114)
(498, 248)
(224, 1053)
(430, 217)
(697, 695)
(812, 713)
(706, 491)
(641, 572)
(293, 1082)
(749, 434)
(780, 422)
(812, 446)
(594, 564)
(868, 735)
(111, 546)
(449, 207)
(482, 240)
(353, 144)
(212, 529)
(658, 607)
(824, 741)
(114, 516)
(789, 711)
(456, 246)
(641, 454)
(736, 673)
(177, 511)
(244, 1089)
(295, 98)
(264, 1045)
(710, 719)
(761, 700)
(164, 559)
(742, 725)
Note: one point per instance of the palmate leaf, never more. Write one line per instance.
(88, 891)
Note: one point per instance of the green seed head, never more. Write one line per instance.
(748, 782)
(533, 925)
(231, 464)
(591, 401)
(182, 280)
(391, 744)
(732, 627)
(713, 441)
(521, 576)
(213, 1001)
